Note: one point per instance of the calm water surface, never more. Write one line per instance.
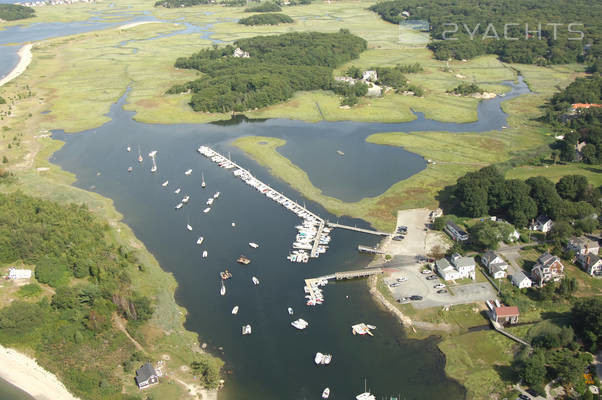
(10, 392)
(276, 361)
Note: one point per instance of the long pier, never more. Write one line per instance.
(314, 249)
(355, 228)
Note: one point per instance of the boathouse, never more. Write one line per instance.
(505, 314)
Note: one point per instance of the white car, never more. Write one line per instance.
(439, 286)
(402, 279)
(426, 271)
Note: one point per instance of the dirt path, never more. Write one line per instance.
(118, 323)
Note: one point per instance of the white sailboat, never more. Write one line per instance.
(179, 206)
(130, 169)
(129, 149)
(222, 291)
(177, 191)
(205, 254)
(210, 201)
(206, 210)
(290, 311)
(185, 199)
(318, 358)
(235, 310)
(188, 225)
(200, 240)
(165, 183)
(233, 224)
(246, 329)
(203, 184)
(253, 245)
(216, 195)
(139, 155)
(188, 172)
(326, 393)
(255, 281)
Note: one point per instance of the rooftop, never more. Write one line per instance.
(506, 311)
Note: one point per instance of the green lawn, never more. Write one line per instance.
(593, 173)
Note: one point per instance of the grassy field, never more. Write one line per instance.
(557, 171)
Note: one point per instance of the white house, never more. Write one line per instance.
(496, 271)
(240, 53)
(460, 267)
(590, 263)
(541, 224)
(582, 246)
(14, 273)
(521, 280)
(369, 76)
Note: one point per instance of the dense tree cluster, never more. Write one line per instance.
(481, 28)
(587, 320)
(278, 66)
(12, 12)
(486, 192)
(580, 125)
(266, 19)
(267, 6)
(466, 89)
(351, 92)
(72, 332)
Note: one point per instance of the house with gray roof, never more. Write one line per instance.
(590, 263)
(457, 267)
(521, 280)
(146, 376)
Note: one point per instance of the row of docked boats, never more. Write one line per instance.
(313, 291)
(312, 238)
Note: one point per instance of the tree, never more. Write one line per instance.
(486, 235)
(533, 371)
(573, 187)
(354, 72)
(518, 205)
(52, 271)
(587, 321)
(544, 193)
(561, 230)
(589, 154)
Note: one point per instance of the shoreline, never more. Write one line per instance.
(134, 24)
(26, 374)
(25, 58)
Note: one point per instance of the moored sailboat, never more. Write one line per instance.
(235, 310)
(222, 291)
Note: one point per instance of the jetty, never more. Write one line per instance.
(355, 228)
(369, 250)
(312, 284)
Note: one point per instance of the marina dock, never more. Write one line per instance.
(355, 228)
(312, 284)
(369, 250)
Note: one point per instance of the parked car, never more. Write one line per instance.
(402, 279)
(394, 284)
(439, 286)
(403, 300)
(398, 237)
(523, 397)
(431, 277)
(415, 297)
(427, 271)
(442, 291)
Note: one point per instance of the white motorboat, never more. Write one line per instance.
(253, 245)
(188, 172)
(326, 393)
(222, 291)
(233, 224)
(255, 281)
(188, 227)
(290, 311)
(235, 310)
(177, 191)
(185, 199)
(210, 201)
(152, 153)
(206, 210)
(205, 254)
(179, 206)
(246, 329)
(165, 183)
(139, 155)
(365, 396)
(129, 149)
(327, 359)
(300, 324)
(130, 169)
(154, 168)
(203, 184)
(216, 195)
(200, 240)
(319, 358)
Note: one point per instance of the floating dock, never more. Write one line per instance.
(355, 228)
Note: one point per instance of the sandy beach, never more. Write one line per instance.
(26, 374)
(24, 60)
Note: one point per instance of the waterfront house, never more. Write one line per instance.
(541, 224)
(240, 53)
(521, 280)
(457, 267)
(582, 246)
(548, 268)
(497, 272)
(455, 232)
(146, 376)
(505, 314)
(14, 273)
(590, 263)
(369, 76)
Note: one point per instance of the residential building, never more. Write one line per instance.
(240, 53)
(541, 224)
(497, 272)
(456, 233)
(582, 245)
(490, 257)
(548, 268)
(521, 280)
(146, 376)
(590, 263)
(369, 76)
(505, 314)
(14, 273)
(457, 267)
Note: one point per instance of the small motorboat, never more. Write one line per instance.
(326, 393)
(233, 224)
(154, 168)
(185, 199)
(225, 275)
(165, 183)
(128, 149)
(216, 195)
(327, 359)
(188, 172)
(339, 152)
(130, 169)
(200, 240)
(206, 210)
(246, 329)
(177, 191)
(139, 155)
(205, 254)
(203, 184)
(253, 245)
(300, 324)
(235, 310)
(222, 291)
(290, 311)
(188, 227)
(210, 201)
(255, 281)
(318, 358)
(243, 260)
(179, 206)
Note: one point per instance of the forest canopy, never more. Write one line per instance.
(266, 19)
(278, 66)
(485, 21)
(12, 12)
